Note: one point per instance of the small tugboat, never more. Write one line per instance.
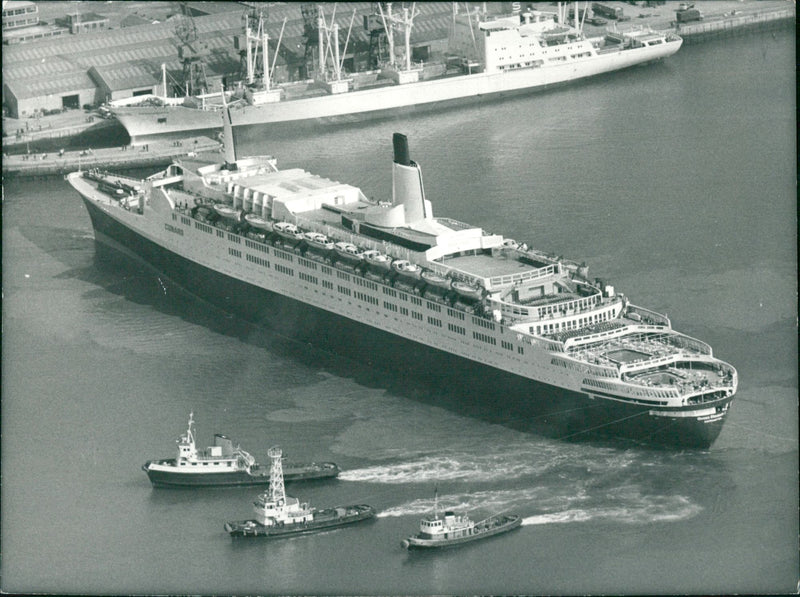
(223, 465)
(279, 515)
(457, 529)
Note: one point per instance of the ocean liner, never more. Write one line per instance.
(489, 56)
(389, 284)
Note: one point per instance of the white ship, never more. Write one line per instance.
(223, 465)
(497, 56)
(524, 327)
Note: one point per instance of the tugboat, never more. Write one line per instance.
(457, 529)
(222, 465)
(279, 515)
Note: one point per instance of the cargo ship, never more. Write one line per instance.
(489, 56)
(397, 289)
(456, 529)
(279, 515)
(222, 465)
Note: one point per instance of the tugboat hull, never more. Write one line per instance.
(489, 528)
(258, 476)
(323, 519)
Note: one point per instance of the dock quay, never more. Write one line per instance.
(155, 154)
(736, 23)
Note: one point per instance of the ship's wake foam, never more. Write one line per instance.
(631, 507)
(646, 510)
(451, 467)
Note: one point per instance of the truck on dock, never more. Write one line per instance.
(609, 12)
(687, 13)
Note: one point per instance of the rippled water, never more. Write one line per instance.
(676, 182)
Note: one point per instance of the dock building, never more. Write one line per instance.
(118, 50)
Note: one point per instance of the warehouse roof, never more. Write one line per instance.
(61, 64)
(42, 86)
(123, 76)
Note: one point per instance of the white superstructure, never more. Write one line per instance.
(497, 55)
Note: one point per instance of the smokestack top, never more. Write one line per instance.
(401, 155)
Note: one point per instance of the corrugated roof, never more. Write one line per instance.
(142, 49)
(75, 81)
(126, 76)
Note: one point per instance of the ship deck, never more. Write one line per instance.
(485, 266)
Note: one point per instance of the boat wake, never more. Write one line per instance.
(628, 506)
(489, 501)
(450, 467)
(649, 509)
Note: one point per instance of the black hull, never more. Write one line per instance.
(414, 543)
(252, 528)
(448, 380)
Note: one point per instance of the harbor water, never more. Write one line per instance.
(674, 181)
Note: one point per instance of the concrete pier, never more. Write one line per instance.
(154, 154)
(736, 23)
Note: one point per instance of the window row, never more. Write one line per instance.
(258, 260)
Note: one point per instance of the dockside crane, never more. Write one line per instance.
(378, 52)
(192, 53)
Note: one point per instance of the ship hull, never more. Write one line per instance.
(509, 523)
(174, 479)
(323, 520)
(147, 122)
(451, 381)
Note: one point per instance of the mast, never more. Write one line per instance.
(321, 47)
(227, 134)
(406, 23)
(277, 492)
(189, 431)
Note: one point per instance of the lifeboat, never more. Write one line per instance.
(407, 269)
(435, 281)
(288, 232)
(317, 241)
(348, 252)
(227, 212)
(377, 261)
(257, 222)
(468, 291)
(510, 244)
(436, 284)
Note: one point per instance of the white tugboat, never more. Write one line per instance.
(222, 465)
(279, 515)
(456, 529)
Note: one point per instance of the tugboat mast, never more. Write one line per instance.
(277, 492)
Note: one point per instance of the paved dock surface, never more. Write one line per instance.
(156, 153)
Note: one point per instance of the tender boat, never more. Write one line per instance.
(406, 269)
(467, 291)
(223, 465)
(257, 222)
(318, 242)
(289, 233)
(348, 252)
(225, 211)
(378, 262)
(453, 529)
(279, 515)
